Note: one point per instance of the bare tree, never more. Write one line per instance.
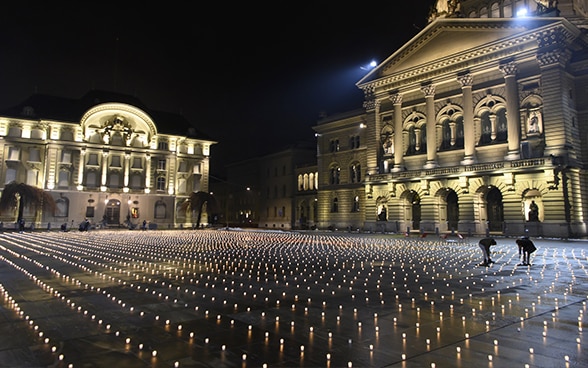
(20, 195)
(197, 200)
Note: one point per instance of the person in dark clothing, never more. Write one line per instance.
(485, 245)
(526, 247)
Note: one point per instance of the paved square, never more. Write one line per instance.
(229, 298)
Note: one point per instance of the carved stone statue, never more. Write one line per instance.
(533, 212)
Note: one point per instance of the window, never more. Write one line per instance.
(93, 159)
(334, 145)
(115, 161)
(136, 181)
(354, 142)
(14, 153)
(197, 169)
(91, 179)
(61, 207)
(115, 180)
(161, 183)
(137, 163)
(162, 146)
(335, 175)
(63, 181)
(160, 210)
(66, 157)
(35, 155)
(335, 205)
(355, 205)
(10, 175)
(161, 164)
(183, 166)
(32, 177)
(355, 173)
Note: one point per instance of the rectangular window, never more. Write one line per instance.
(14, 153)
(66, 157)
(115, 161)
(161, 164)
(35, 155)
(89, 211)
(114, 180)
(137, 163)
(93, 159)
(63, 181)
(10, 175)
(161, 183)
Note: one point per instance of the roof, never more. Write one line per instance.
(435, 45)
(48, 107)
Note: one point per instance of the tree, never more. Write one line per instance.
(23, 195)
(197, 200)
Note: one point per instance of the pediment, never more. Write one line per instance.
(453, 39)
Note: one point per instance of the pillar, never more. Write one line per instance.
(512, 110)
(469, 143)
(398, 147)
(429, 91)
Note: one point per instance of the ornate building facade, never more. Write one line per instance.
(477, 125)
(103, 158)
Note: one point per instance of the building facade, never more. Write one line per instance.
(276, 191)
(476, 125)
(104, 158)
(279, 185)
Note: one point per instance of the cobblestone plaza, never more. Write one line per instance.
(233, 298)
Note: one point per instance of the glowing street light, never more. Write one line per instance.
(369, 66)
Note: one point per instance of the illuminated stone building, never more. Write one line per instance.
(104, 157)
(477, 125)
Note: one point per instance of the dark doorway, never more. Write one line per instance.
(495, 209)
(415, 201)
(452, 210)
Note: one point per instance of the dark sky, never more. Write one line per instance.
(243, 74)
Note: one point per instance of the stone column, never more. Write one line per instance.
(81, 168)
(398, 146)
(147, 173)
(104, 168)
(127, 170)
(429, 91)
(512, 111)
(469, 143)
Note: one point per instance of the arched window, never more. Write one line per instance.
(355, 204)
(335, 174)
(335, 205)
(355, 172)
(61, 207)
(160, 210)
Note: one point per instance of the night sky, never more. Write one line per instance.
(242, 74)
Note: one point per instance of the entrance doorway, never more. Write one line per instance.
(112, 212)
(415, 203)
(495, 209)
(452, 210)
